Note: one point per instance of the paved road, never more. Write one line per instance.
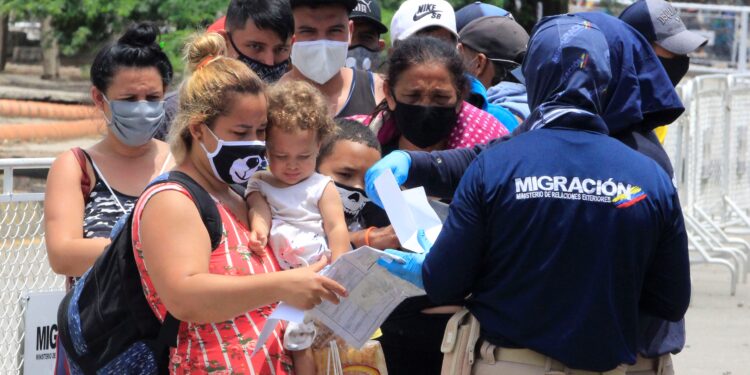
(718, 326)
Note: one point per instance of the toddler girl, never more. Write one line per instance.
(295, 210)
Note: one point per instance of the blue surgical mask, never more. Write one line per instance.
(236, 161)
(135, 123)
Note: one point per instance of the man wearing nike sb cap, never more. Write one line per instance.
(434, 18)
(659, 22)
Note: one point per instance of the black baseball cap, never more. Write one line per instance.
(659, 22)
(369, 10)
(348, 4)
(500, 38)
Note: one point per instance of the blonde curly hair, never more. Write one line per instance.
(209, 91)
(295, 106)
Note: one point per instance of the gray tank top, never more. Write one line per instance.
(361, 99)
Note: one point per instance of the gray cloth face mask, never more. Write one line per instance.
(361, 57)
(135, 123)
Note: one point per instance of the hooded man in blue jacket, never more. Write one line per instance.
(562, 234)
(645, 100)
(493, 48)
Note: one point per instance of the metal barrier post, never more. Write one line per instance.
(742, 57)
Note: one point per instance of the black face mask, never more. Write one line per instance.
(354, 201)
(268, 73)
(424, 126)
(676, 67)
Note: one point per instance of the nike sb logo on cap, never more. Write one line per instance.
(425, 10)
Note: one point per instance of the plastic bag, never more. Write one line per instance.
(337, 358)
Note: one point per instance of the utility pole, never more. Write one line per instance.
(3, 40)
(50, 51)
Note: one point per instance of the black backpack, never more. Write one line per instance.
(106, 326)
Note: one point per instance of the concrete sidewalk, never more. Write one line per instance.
(718, 326)
(47, 149)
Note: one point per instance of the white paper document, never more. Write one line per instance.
(282, 312)
(373, 294)
(409, 211)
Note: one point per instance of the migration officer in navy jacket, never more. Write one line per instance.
(558, 236)
(642, 100)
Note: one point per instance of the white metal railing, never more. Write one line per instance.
(8, 166)
(708, 146)
(23, 259)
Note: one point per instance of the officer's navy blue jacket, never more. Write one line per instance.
(559, 235)
(657, 104)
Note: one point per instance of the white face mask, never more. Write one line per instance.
(319, 60)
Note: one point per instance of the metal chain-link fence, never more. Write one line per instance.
(23, 260)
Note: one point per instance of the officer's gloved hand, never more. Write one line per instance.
(407, 266)
(424, 242)
(411, 268)
(398, 162)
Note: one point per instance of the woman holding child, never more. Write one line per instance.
(223, 114)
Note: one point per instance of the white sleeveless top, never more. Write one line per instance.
(297, 236)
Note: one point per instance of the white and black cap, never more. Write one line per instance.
(415, 15)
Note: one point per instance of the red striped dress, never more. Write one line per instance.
(222, 347)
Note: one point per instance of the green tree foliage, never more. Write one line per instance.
(83, 24)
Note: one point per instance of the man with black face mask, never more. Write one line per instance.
(659, 22)
(258, 33)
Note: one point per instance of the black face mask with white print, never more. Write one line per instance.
(354, 201)
(234, 162)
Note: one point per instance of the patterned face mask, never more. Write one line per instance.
(235, 162)
(268, 73)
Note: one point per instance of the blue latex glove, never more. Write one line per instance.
(424, 242)
(407, 266)
(411, 268)
(398, 162)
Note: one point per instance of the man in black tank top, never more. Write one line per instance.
(322, 32)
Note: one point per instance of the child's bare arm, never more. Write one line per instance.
(334, 224)
(259, 217)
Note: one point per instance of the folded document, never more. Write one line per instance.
(373, 294)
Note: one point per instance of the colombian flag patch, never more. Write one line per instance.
(630, 198)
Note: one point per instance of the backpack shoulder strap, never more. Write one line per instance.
(206, 205)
